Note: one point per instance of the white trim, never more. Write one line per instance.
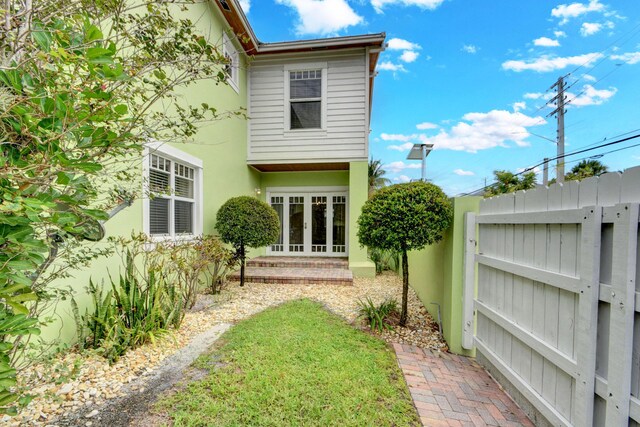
(305, 66)
(327, 189)
(179, 156)
(367, 102)
(229, 48)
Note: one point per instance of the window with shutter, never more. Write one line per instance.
(173, 204)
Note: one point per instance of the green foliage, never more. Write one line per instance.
(385, 260)
(247, 222)
(138, 307)
(377, 316)
(377, 178)
(80, 87)
(586, 169)
(217, 261)
(507, 182)
(404, 217)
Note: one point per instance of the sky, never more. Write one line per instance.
(473, 77)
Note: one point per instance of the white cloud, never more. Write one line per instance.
(559, 34)
(469, 48)
(546, 42)
(245, 5)
(409, 56)
(589, 77)
(547, 63)
(399, 166)
(397, 137)
(322, 16)
(629, 57)
(533, 95)
(378, 5)
(590, 28)
(517, 106)
(573, 10)
(402, 147)
(401, 44)
(590, 96)
(390, 66)
(402, 178)
(426, 125)
(462, 172)
(481, 131)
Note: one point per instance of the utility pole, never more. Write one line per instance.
(559, 112)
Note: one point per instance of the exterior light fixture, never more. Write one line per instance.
(420, 152)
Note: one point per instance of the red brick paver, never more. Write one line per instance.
(451, 390)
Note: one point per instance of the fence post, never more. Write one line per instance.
(625, 232)
(469, 280)
(586, 329)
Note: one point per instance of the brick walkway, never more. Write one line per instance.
(451, 390)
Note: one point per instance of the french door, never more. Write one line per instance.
(311, 224)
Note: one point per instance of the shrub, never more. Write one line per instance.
(247, 222)
(217, 261)
(385, 260)
(377, 316)
(404, 217)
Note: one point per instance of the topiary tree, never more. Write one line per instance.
(405, 217)
(247, 222)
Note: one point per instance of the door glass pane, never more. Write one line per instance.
(339, 224)
(296, 224)
(319, 224)
(277, 203)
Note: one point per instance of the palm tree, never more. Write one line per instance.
(377, 179)
(507, 182)
(585, 169)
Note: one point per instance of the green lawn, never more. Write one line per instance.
(296, 364)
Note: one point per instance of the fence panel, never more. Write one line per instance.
(558, 297)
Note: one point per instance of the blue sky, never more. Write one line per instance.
(472, 77)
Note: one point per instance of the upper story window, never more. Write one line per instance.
(232, 64)
(174, 206)
(305, 97)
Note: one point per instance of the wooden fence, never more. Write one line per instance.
(557, 306)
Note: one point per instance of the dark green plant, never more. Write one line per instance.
(404, 217)
(508, 182)
(246, 222)
(377, 316)
(586, 169)
(145, 302)
(377, 178)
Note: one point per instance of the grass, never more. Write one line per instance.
(296, 364)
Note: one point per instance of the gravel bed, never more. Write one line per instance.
(93, 381)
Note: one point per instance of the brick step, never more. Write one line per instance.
(300, 276)
(299, 262)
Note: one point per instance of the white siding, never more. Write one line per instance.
(344, 137)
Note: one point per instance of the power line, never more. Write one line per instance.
(531, 168)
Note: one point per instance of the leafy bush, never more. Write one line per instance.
(404, 217)
(377, 316)
(218, 261)
(385, 260)
(247, 222)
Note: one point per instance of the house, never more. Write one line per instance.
(303, 149)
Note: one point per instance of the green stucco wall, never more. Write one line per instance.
(359, 263)
(436, 273)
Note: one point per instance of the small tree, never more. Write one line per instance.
(586, 169)
(247, 222)
(404, 217)
(508, 182)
